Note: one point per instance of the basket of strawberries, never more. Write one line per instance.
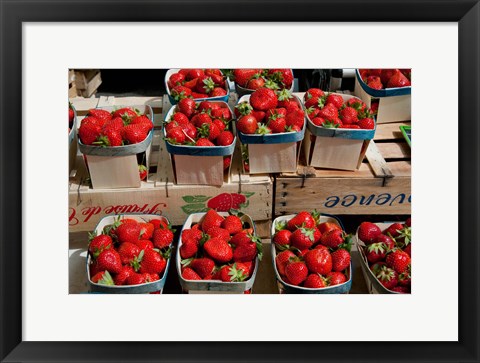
(270, 125)
(199, 84)
(386, 91)
(339, 129)
(311, 254)
(129, 254)
(200, 140)
(218, 253)
(249, 80)
(385, 256)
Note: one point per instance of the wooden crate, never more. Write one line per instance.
(382, 185)
(83, 82)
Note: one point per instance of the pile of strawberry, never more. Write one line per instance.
(128, 252)
(311, 254)
(219, 248)
(124, 126)
(389, 253)
(197, 83)
(71, 115)
(386, 78)
(328, 110)
(200, 124)
(253, 79)
(269, 112)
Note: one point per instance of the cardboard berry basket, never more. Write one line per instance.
(334, 148)
(272, 153)
(286, 288)
(117, 167)
(394, 104)
(214, 286)
(242, 91)
(150, 287)
(373, 284)
(173, 101)
(199, 165)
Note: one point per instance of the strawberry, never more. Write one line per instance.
(128, 252)
(315, 281)
(340, 260)
(109, 260)
(125, 112)
(296, 117)
(225, 138)
(408, 222)
(204, 142)
(336, 278)
(180, 118)
(103, 278)
(388, 241)
(220, 125)
(226, 201)
(242, 109)
(189, 274)
(109, 138)
(175, 79)
(162, 237)
(88, 132)
(179, 92)
(304, 219)
(232, 224)
(143, 120)
(263, 130)
(332, 239)
(335, 99)
(245, 252)
(219, 233)
(356, 104)
(190, 131)
(176, 135)
(232, 274)
(71, 115)
(302, 238)
(128, 232)
(188, 249)
(368, 231)
(387, 277)
(283, 76)
(211, 219)
(205, 84)
(329, 112)
(398, 79)
(123, 275)
(282, 259)
(296, 272)
(367, 123)
(134, 133)
(194, 73)
(408, 250)
(227, 160)
(100, 114)
(398, 260)
(146, 230)
(394, 230)
(186, 106)
(405, 279)
(376, 267)
(222, 113)
(143, 244)
(277, 125)
(263, 99)
(386, 74)
(401, 289)
(282, 238)
(201, 118)
(246, 267)
(242, 76)
(376, 252)
(194, 235)
(348, 115)
(210, 131)
(218, 249)
(142, 172)
(202, 266)
(255, 82)
(136, 279)
(243, 237)
(319, 261)
(158, 223)
(152, 262)
(325, 227)
(247, 124)
(98, 244)
(374, 82)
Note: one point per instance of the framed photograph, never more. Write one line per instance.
(42, 320)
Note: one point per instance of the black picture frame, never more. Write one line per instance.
(13, 13)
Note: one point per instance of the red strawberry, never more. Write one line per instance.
(340, 260)
(142, 172)
(211, 219)
(88, 132)
(263, 99)
(255, 82)
(123, 275)
(282, 238)
(194, 73)
(158, 223)
(222, 113)
(348, 115)
(398, 79)
(128, 232)
(242, 76)
(203, 266)
(225, 138)
(143, 120)
(277, 125)
(408, 222)
(296, 117)
(405, 279)
(394, 230)
(219, 233)
(99, 244)
(136, 279)
(283, 76)
(313, 92)
(296, 272)
(152, 262)
(247, 124)
(220, 125)
(146, 230)
(376, 252)
(194, 235)
(408, 250)
(315, 281)
(356, 103)
(180, 118)
(304, 219)
(227, 160)
(210, 131)
(125, 112)
(367, 232)
(201, 118)
(109, 260)
(332, 239)
(134, 133)
(336, 278)
(143, 244)
(401, 289)
(189, 274)
(335, 100)
(325, 227)
(245, 252)
(128, 252)
(175, 79)
(389, 242)
(282, 259)
(329, 112)
(226, 201)
(205, 84)
(386, 74)
(218, 249)
(319, 261)
(162, 237)
(387, 277)
(204, 142)
(302, 238)
(176, 135)
(186, 106)
(100, 114)
(103, 278)
(243, 237)
(367, 123)
(232, 274)
(188, 249)
(398, 260)
(179, 92)
(232, 224)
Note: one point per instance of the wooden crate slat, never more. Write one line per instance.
(390, 131)
(392, 150)
(377, 162)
